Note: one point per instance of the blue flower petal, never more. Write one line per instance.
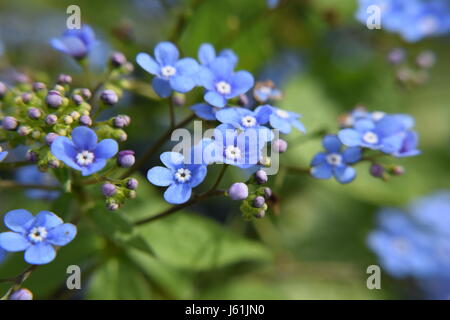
(204, 111)
(331, 143)
(62, 234)
(322, 171)
(198, 176)
(47, 219)
(350, 137)
(206, 54)
(364, 125)
(392, 144)
(96, 166)
(106, 149)
(166, 53)
(3, 155)
(298, 125)
(64, 149)
(18, 220)
(13, 242)
(187, 67)
(241, 82)
(230, 55)
(222, 69)
(160, 176)
(263, 113)
(389, 125)
(280, 124)
(162, 87)
(172, 160)
(352, 154)
(72, 46)
(344, 174)
(84, 138)
(178, 193)
(40, 253)
(205, 78)
(231, 116)
(215, 99)
(182, 84)
(147, 63)
(319, 158)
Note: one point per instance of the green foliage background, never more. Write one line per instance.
(315, 247)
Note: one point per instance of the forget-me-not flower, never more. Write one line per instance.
(180, 177)
(283, 120)
(205, 111)
(171, 73)
(335, 161)
(222, 83)
(207, 54)
(76, 43)
(82, 152)
(36, 235)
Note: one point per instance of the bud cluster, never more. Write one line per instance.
(116, 193)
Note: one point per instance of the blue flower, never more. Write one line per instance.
(180, 177)
(241, 149)
(83, 153)
(32, 175)
(386, 135)
(284, 120)
(334, 161)
(222, 83)
(207, 54)
(36, 235)
(205, 111)
(245, 119)
(171, 72)
(76, 43)
(265, 91)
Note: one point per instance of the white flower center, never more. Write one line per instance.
(183, 175)
(85, 158)
(223, 87)
(335, 159)
(282, 114)
(378, 115)
(248, 121)
(233, 153)
(370, 137)
(168, 71)
(37, 234)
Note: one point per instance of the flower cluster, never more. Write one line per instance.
(417, 243)
(365, 133)
(412, 19)
(241, 133)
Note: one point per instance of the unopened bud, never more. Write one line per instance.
(21, 294)
(109, 97)
(34, 113)
(261, 177)
(126, 159)
(86, 120)
(132, 184)
(238, 191)
(10, 123)
(258, 202)
(377, 170)
(279, 145)
(51, 119)
(109, 190)
(54, 99)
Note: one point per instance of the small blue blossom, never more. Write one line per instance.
(245, 119)
(178, 176)
(36, 235)
(82, 152)
(76, 43)
(335, 161)
(171, 73)
(283, 120)
(265, 91)
(207, 54)
(222, 83)
(32, 175)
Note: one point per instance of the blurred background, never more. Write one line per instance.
(314, 244)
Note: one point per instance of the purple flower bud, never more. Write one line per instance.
(258, 202)
(132, 184)
(118, 59)
(64, 79)
(3, 89)
(26, 97)
(24, 130)
(51, 119)
(261, 177)
(178, 99)
(50, 137)
(238, 191)
(377, 170)
(121, 121)
(396, 56)
(10, 123)
(126, 159)
(279, 146)
(109, 97)
(86, 93)
(38, 86)
(34, 113)
(78, 99)
(86, 121)
(426, 59)
(54, 99)
(398, 170)
(109, 190)
(112, 206)
(267, 193)
(261, 214)
(53, 164)
(31, 156)
(123, 137)
(21, 294)
(21, 78)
